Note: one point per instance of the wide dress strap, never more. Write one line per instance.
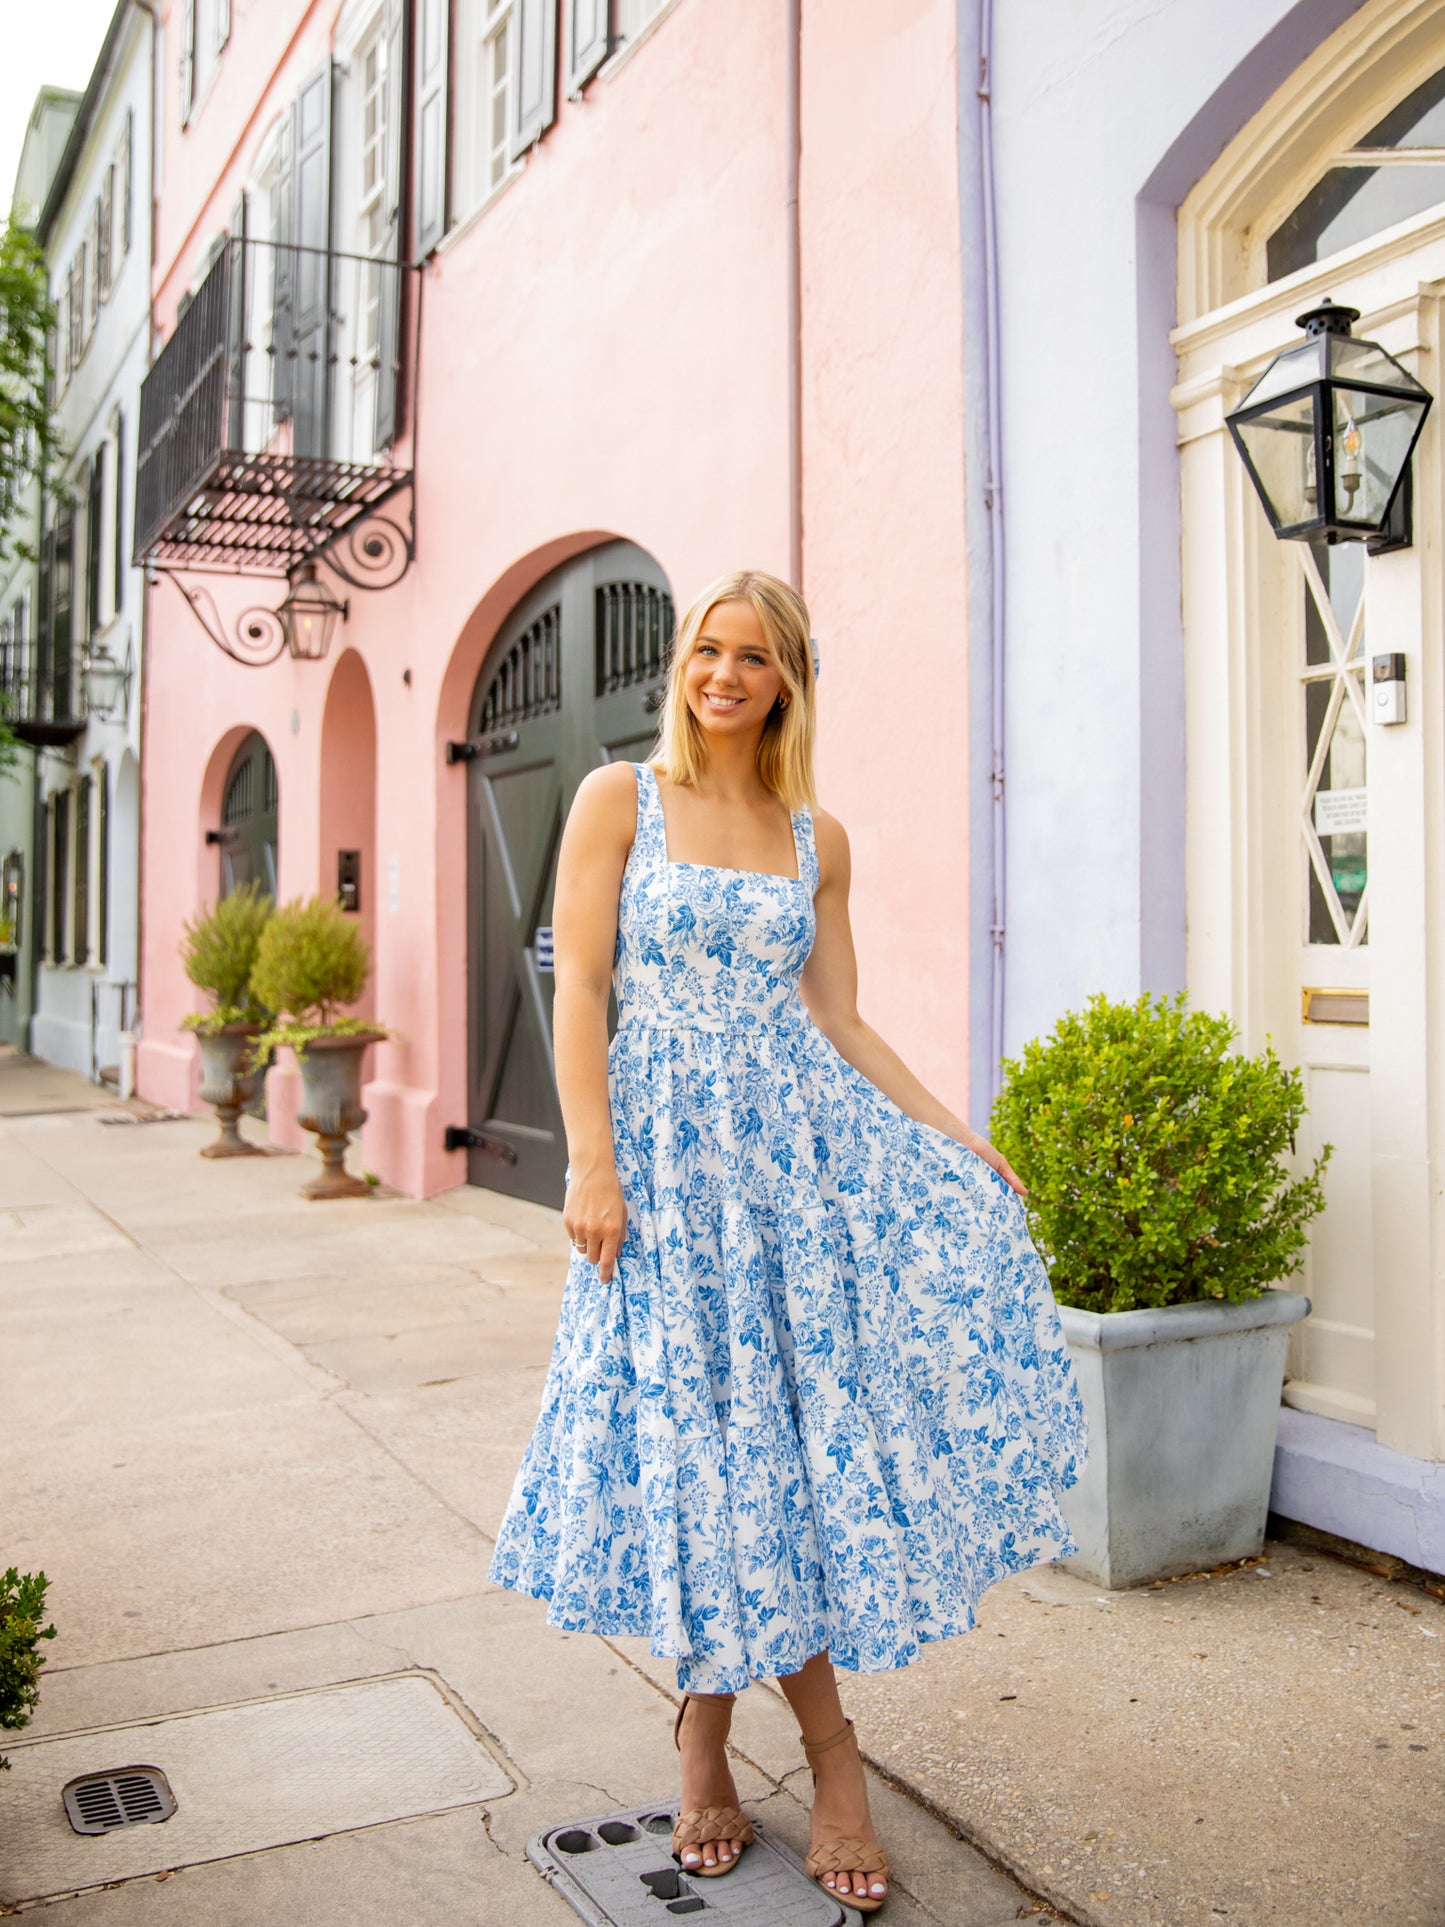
(649, 839)
(807, 849)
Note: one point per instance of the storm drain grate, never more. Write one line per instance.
(619, 1871)
(129, 1796)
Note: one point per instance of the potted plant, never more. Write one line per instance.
(219, 953)
(22, 1612)
(312, 963)
(1160, 1200)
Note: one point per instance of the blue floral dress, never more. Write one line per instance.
(824, 1401)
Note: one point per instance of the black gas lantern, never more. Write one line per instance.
(1327, 433)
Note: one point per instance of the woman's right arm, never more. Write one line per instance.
(595, 844)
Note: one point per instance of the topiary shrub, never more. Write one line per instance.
(1154, 1157)
(22, 1608)
(219, 954)
(312, 962)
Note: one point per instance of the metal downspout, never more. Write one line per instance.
(794, 57)
(994, 504)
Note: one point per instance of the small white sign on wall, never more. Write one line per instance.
(1339, 812)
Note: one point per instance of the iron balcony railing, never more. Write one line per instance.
(267, 419)
(42, 689)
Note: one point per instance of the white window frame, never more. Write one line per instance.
(360, 32)
(634, 23)
(483, 98)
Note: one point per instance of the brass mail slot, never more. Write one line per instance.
(1335, 1006)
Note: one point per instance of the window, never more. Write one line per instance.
(205, 29)
(12, 896)
(633, 16)
(374, 215)
(105, 230)
(76, 309)
(91, 271)
(59, 873)
(484, 98)
(367, 280)
(80, 910)
(55, 647)
(1394, 171)
(123, 174)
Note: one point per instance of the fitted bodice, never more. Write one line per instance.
(704, 948)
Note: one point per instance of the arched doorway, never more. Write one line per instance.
(572, 682)
(347, 810)
(250, 817)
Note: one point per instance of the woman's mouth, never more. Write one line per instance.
(720, 702)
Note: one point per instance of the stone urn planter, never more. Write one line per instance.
(229, 1083)
(1182, 1403)
(331, 1107)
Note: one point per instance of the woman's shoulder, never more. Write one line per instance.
(831, 842)
(606, 800)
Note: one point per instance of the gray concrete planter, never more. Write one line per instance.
(331, 1107)
(228, 1082)
(1182, 1405)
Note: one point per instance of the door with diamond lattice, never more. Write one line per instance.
(572, 681)
(1327, 846)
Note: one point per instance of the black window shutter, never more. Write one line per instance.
(94, 521)
(119, 513)
(430, 118)
(388, 373)
(589, 39)
(59, 873)
(534, 72)
(312, 275)
(102, 854)
(80, 913)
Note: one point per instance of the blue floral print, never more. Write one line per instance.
(824, 1402)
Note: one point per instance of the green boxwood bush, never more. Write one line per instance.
(1154, 1156)
(219, 954)
(22, 1609)
(311, 963)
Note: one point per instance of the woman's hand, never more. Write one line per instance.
(595, 1216)
(992, 1155)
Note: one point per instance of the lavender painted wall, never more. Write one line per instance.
(1095, 722)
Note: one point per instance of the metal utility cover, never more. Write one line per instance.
(126, 1796)
(619, 1871)
(246, 1777)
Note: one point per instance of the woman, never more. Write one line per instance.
(809, 1397)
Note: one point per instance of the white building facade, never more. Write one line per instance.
(95, 229)
(1197, 796)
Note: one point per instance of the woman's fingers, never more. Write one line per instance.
(607, 1257)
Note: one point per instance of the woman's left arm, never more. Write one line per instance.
(830, 991)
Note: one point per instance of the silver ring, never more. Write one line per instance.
(576, 1246)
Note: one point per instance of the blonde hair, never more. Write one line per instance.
(785, 754)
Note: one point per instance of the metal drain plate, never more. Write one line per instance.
(246, 1777)
(127, 1796)
(619, 1871)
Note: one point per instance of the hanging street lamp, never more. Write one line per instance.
(310, 614)
(1327, 432)
(107, 684)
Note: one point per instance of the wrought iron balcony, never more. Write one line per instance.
(42, 690)
(262, 418)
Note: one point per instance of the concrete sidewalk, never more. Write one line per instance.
(260, 1444)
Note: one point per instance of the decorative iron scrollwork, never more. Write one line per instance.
(258, 635)
(376, 550)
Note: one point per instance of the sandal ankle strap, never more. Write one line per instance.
(810, 1747)
(730, 1699)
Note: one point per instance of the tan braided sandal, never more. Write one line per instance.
(846, 1853)
(707, 1823)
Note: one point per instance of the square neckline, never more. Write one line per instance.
(724, 869)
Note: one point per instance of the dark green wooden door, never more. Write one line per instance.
(572, 682)
(250, 819)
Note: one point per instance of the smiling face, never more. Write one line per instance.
(732, 679)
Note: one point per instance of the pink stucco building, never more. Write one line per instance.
(688, 298)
